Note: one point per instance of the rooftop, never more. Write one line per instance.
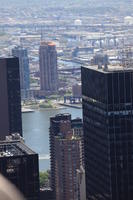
(110, 68)
(14, 148)
(43, 43)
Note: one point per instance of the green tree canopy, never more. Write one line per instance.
(44, 178)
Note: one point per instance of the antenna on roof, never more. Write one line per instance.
(42, 36)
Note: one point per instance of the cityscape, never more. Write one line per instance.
(66, 100)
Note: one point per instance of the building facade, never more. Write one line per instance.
(68, 157)
(22, 54)
(48, 67)
(10, 100)
(19, 164)
(66, 151)
(81, 186)
(46, 194)
(76, 90)
(108, 127)
(54, 130)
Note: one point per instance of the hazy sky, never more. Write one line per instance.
(125, 5)
(50, 2)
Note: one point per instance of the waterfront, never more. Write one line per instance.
(68, 64)
(36, 131)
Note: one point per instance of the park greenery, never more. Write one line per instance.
(46, 104)
(44, 179)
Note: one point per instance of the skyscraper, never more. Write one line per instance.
(54, 130)
(108, 132)
(22, 54)
(10, 100)
(65, 140)
(68, 157)
(48, 67)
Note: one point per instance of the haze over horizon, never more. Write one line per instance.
(50, 3)
(93, 7)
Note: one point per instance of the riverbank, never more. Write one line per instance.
(50, 105)
(32, 108)
(57, 108)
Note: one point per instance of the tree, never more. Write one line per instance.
(44, 179)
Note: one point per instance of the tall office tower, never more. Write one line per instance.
(10, 100)
(22, 54)
(68, 157)
(19, 164)
(58, 125)
(108, 132)
(48, 67)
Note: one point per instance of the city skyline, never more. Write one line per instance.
(58, 48)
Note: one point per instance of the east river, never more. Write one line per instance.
(36, 131)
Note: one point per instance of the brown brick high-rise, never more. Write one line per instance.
(48, 67)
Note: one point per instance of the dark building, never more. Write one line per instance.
(19, 164)
(10, 100)
(55, 129)
(48, 67)
(46, 194)
(108, 132)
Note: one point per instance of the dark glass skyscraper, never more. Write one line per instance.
(10, 100)
(19, 164)
(108, 132)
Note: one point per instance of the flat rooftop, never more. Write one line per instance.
(110, 68)
(14, 148)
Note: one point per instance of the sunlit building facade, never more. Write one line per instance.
(48, 67)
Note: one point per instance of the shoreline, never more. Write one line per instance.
(58, 108)
(41, 109)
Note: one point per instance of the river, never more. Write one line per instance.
(36, 131)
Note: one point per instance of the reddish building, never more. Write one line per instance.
(48, 67)
(66, 148)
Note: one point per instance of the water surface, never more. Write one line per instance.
(36, 131)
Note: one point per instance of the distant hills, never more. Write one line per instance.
(101, 6)
(63, 2)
